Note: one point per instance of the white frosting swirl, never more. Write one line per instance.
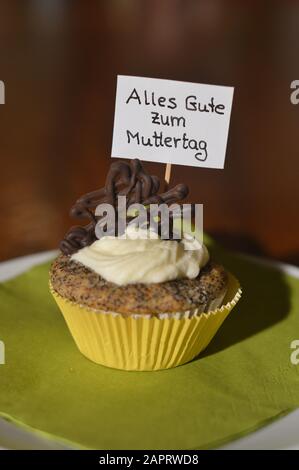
(135, 259)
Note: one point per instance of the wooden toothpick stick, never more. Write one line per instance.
(167, 174)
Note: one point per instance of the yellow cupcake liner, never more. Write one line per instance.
(144, 342)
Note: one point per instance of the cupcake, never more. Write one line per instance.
(137, 301)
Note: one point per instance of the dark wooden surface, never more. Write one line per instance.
(59, 62)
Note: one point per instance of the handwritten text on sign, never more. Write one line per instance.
(171, 122)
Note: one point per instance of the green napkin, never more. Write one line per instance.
(243, 380)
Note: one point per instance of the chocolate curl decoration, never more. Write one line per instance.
(123, 179)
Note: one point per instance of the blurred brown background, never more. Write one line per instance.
(59, 60)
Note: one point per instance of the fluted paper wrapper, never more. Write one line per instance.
(144, 342)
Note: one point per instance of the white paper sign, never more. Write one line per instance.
(171, 122)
